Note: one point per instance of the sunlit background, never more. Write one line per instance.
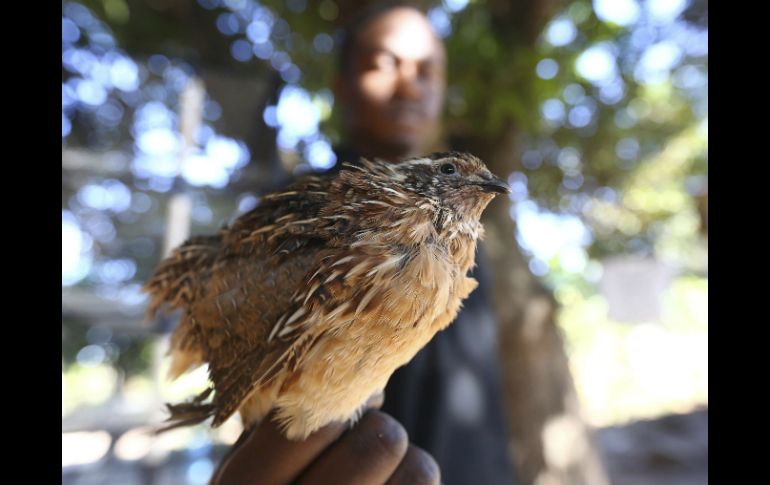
(610, 202)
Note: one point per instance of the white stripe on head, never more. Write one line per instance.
(419, 161)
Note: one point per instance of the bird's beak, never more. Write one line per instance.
(494, 185)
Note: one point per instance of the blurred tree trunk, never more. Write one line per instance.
(550, 441)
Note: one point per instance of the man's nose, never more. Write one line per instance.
(408, 81)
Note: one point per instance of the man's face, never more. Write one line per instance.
(393, 90)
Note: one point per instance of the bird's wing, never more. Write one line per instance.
(285, 222)
(266, 256)
(235, 317)
(175, 280)
(282, 279)
(173, 286)
(339, 286)
(243, 276)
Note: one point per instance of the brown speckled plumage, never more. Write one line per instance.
(309, 302)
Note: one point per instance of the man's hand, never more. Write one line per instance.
(375, 451)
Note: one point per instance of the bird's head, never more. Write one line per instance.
(457, 183)
(442, 194)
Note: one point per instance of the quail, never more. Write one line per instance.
(306, 305)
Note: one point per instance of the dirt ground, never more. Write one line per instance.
(670, 450)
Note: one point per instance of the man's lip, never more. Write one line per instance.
(408, 113)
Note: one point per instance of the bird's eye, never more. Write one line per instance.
(448, 169)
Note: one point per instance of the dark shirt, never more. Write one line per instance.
(449, 397)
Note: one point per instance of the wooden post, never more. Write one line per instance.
(180, 204)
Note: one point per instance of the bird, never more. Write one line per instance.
(307, 304)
